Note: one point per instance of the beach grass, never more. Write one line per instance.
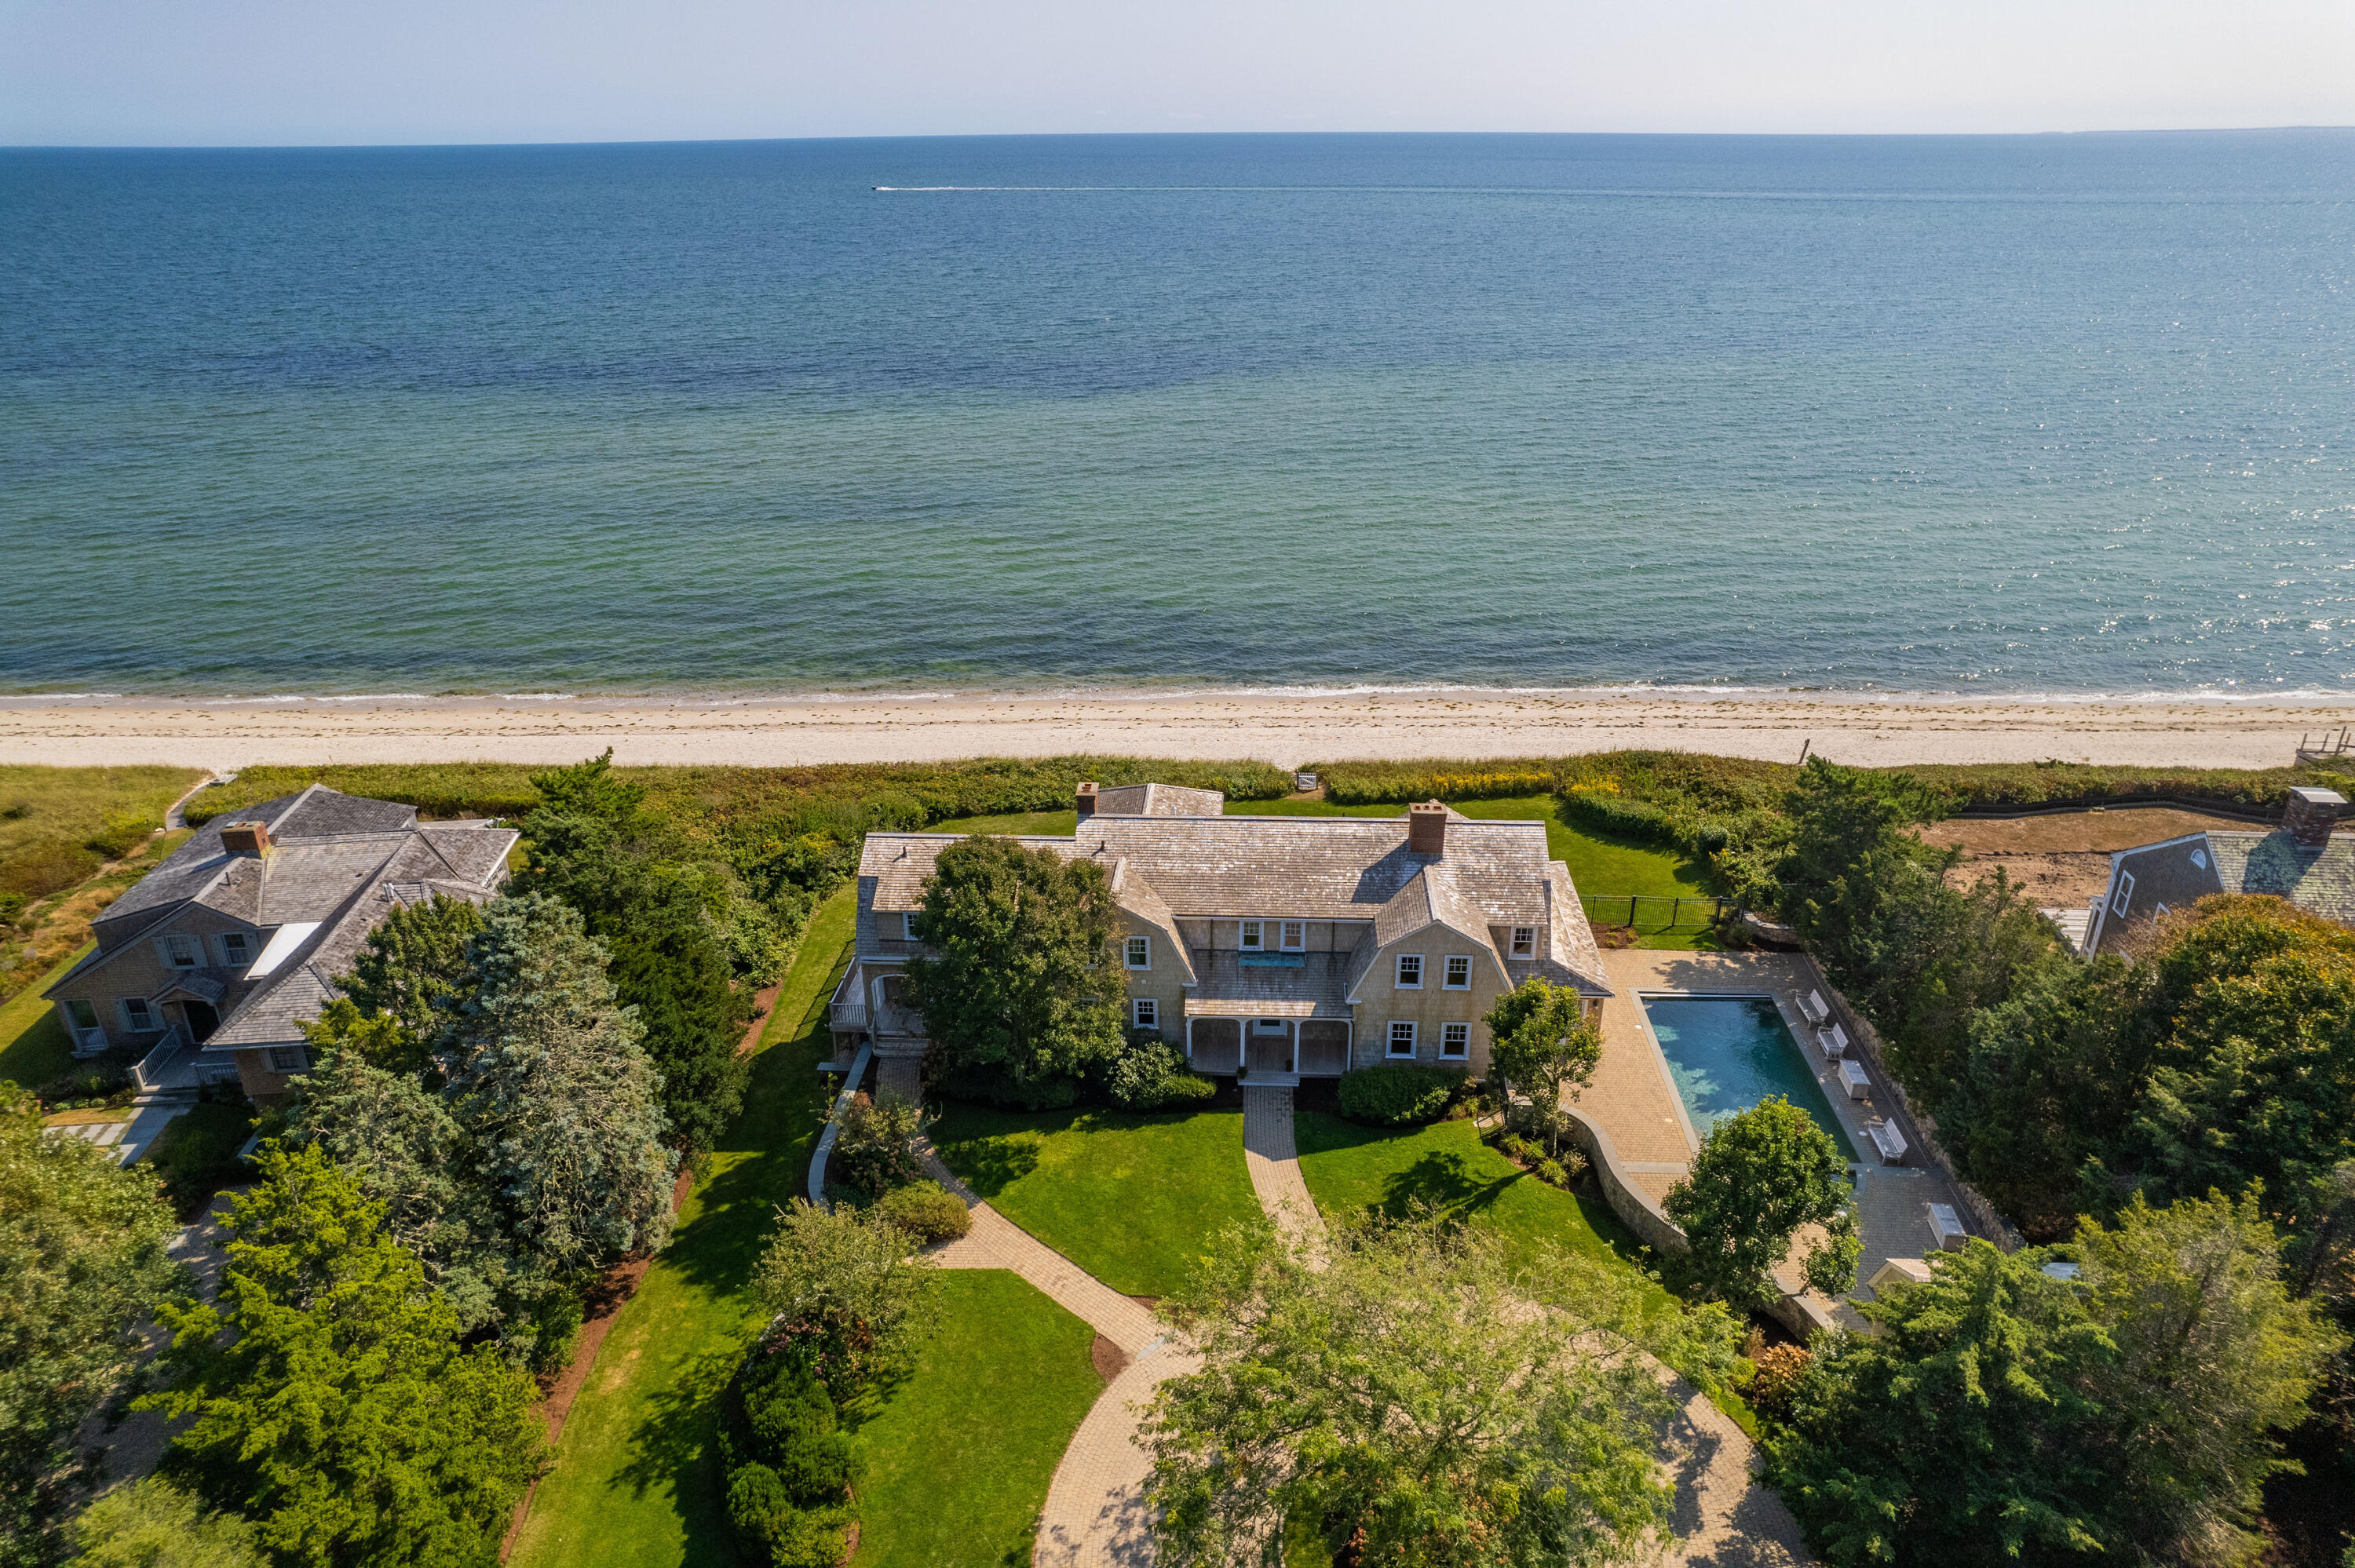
(635, 1479)
(959, 1454)
(1133, 1199)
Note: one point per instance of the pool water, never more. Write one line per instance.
(1728, 1052)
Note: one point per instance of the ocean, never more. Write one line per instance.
(1976, 414)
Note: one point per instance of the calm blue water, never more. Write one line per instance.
(1937, 413)
(1728, 1052)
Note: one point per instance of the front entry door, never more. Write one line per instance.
(1271, 1045)
(202, 1020)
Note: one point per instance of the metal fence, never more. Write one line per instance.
(1655, 911)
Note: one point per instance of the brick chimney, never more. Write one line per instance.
(1086, 800)
(1426, 828)
(253, 838)
(2309, 815)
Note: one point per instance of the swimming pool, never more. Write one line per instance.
(1728, 1052)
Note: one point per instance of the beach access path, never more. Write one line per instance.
(1286, 729)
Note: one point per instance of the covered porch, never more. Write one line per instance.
(1274, 1040)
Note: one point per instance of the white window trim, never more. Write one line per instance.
(1447, 971)
(1145, 1012)
(907, 926)
(2125, 893)
(1284, 930)
(1398, 972)
(1128, 952)
(230, 960)
(1525, 942)
(132, 1024)
(1391, 1041)
(164, 947)
(74, 1020)
(1446, 1030)
(1251, 936)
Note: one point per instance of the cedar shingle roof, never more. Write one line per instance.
(1158, 800)
(2321, 881)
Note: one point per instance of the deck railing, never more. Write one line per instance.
(156, 1067)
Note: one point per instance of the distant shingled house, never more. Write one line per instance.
(215, 960)
(2302, 861)
(1301, 946)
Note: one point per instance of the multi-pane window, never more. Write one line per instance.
(2125, 893)
(236, 948)
(181, 952)
(1410, 971)
(1295, 934)
(1459, 973)
(1454, 1041)
(137, 1016)
(908, 926)
(1402, 1037)
(1146, 1013)
(287, 1059)
(1140, 953)
(1251, 937)
(1525, 941)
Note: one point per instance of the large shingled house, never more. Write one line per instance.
(1301, 946)
(2302, 861)
(214, 961)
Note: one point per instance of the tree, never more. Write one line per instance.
(550, 1082)
(1025, 983)
(1541, 1042)
(2048, 1082)
(1759, 1176)
(412, 967)
(1952, 1436)
(1409, 1403)
(409, 1157)
(82, 1265)
(662, 920)
(340, 1414)
(152, 1523)
(382, 1041)
(2213, 1358)
(849, 1297)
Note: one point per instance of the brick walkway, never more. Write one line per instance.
(1273, 1156)
(996, 1242)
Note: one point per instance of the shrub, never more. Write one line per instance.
(1552, 1173)
(926, 1210)
(874, 1146)
(1780, 1368)
(1148, 1073)
(771, 1528)
(1398, 1094)
(992, 1086)
(124, 831)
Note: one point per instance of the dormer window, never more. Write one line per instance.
(1525, 941)
(1294, 935)
(1254, 938)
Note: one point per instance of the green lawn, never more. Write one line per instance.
(959, 1458)
(1060, 824)
(34, 1047)
(634, 1480)
(1132, 1198)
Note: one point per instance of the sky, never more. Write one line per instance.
(281, 73)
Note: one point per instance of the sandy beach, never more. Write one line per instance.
(1290, 730)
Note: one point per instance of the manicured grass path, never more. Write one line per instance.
(636, 1478)
(33, 1044)
(1132, 1198)
(960, 1457)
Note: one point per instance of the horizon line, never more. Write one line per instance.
(1110, 135)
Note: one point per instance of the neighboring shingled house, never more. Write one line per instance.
(2302, 861)
(212, 963)
(1303, 946)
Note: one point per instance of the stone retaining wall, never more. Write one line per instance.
(1635, 1206)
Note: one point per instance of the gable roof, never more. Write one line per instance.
(2320, 882)
(337, 864)
(1158, 800)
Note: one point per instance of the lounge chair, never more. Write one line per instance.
(1856, 1080)
(1946, 1227)
(1887, 1141)
(1814, 1007)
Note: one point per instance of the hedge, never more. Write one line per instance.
(1398, 1094)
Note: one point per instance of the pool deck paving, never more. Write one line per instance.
(1635, 1100)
